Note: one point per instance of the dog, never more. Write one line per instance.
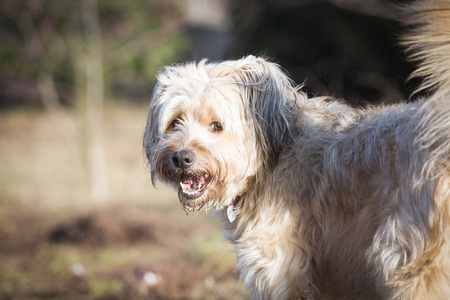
(321, 200)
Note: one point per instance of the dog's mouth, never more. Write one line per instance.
(192, 187)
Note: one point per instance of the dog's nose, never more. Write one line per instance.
(182, 158)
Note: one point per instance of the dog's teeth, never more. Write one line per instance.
(190, 193)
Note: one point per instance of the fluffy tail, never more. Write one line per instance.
(429, 44)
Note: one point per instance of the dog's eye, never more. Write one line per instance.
(216, 127)
(175, 123)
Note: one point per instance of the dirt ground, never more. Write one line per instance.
(56, 244)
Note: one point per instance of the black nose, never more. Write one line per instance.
(182, 158)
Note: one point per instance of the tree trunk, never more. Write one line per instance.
(94, 102)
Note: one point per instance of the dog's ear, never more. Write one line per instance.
(269, 95)
(152, 128)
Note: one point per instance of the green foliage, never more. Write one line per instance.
(49, 35)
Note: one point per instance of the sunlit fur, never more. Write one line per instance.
(332, 202)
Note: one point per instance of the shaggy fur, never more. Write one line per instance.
(321, 200)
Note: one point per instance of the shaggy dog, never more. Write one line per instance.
(321, 200)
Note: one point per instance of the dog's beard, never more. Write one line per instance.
(193, 191)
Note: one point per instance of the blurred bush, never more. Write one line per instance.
(137, 38)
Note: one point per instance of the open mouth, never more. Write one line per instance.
(192, 186)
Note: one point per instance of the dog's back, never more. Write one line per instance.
(382, 203)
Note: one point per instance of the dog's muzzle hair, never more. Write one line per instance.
(321, 200)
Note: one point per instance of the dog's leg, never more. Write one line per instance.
(427, 277)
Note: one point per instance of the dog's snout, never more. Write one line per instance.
(182, 158)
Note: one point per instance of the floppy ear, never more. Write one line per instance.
(152, 129)
(269, 95)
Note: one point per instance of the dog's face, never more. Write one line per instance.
(208, 131)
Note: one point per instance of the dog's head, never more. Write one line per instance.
(213, 129)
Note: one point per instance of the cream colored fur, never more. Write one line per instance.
(331, 202)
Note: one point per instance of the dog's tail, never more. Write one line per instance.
(428, 44)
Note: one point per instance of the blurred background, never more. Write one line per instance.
(79, 218)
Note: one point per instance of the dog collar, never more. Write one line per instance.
(232, 209)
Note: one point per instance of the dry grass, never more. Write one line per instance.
(48, 225)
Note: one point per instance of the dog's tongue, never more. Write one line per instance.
(191, 183)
